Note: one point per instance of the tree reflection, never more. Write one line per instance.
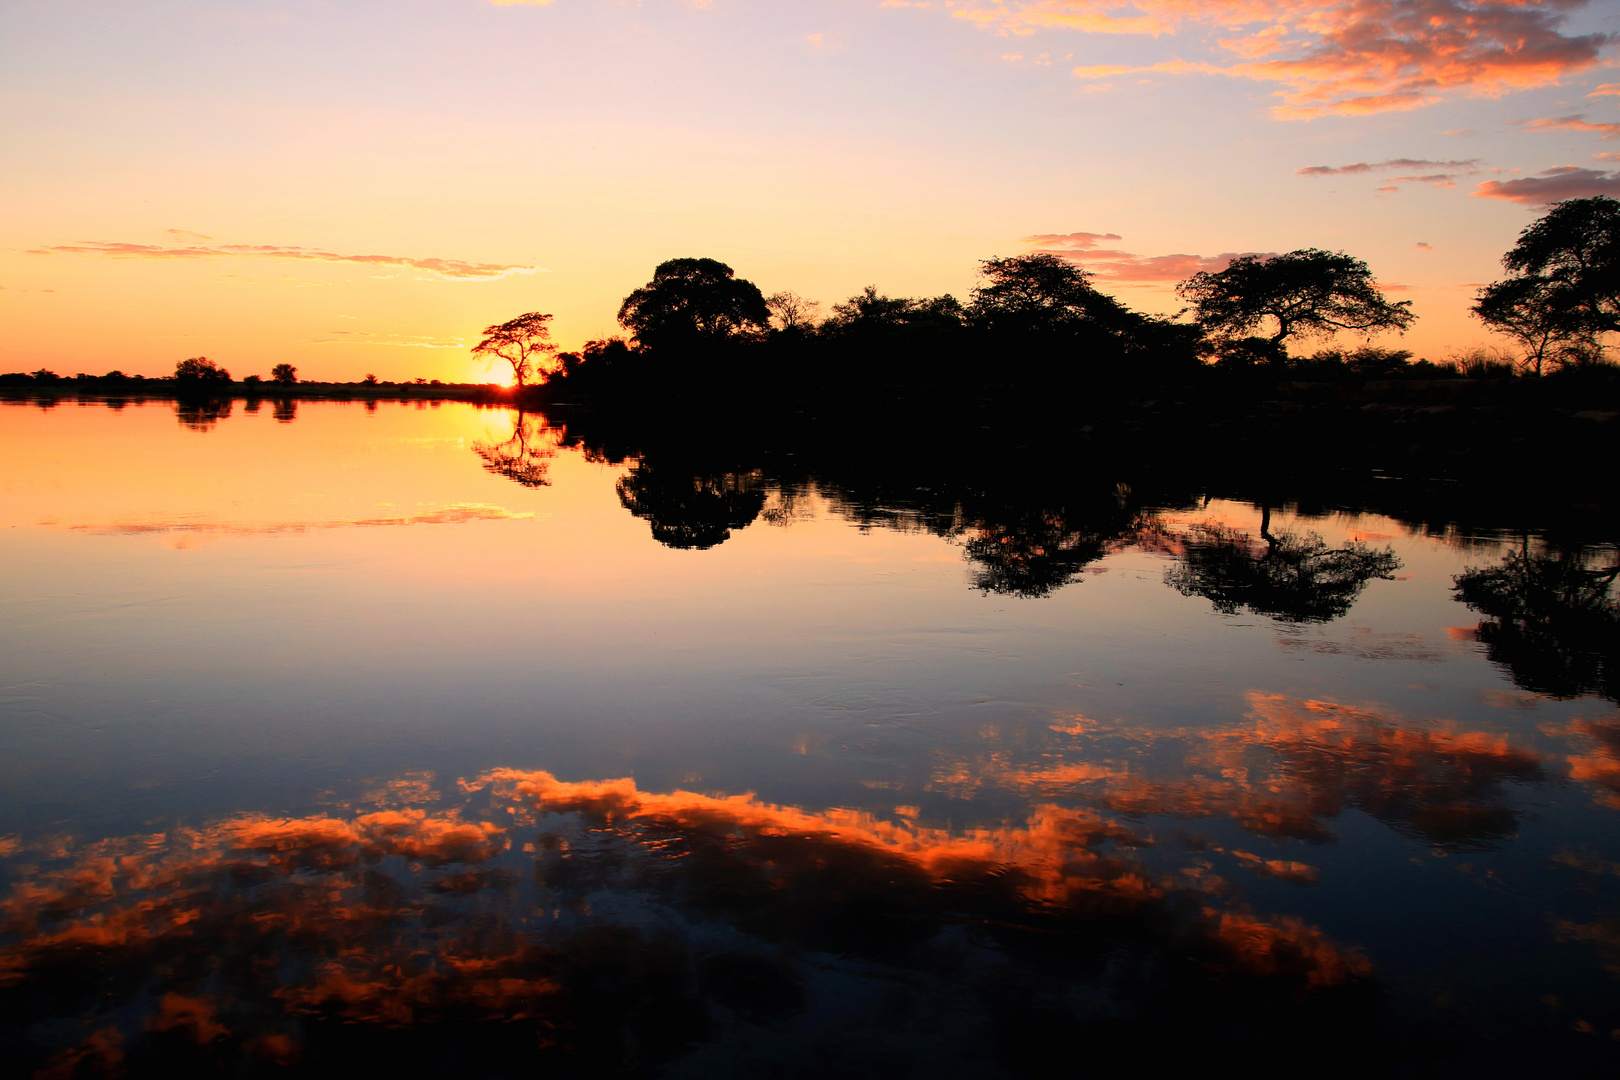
(1037, 553)
(593, 929)
(525, 456)
(1552, 620)
(201, 414)
(1292, 577)
(284, 410)
(691, 511)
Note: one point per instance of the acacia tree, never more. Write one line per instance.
(285, 374)
(1526, 309)
(1308, 293)
(200, 369)
(523, 342)
(1563, 290)
(1042, 292)
(693, 302)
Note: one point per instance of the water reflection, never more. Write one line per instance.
(1293, 577)
(691, 511)
(201, 414)
(284, 410)
(1552, 620)
(1286, 774)
(595, 929)
(525, 456)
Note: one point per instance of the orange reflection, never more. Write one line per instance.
(1297, 765)
(605, 929)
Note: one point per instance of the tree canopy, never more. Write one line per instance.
(1563, 289)
(523, 342)
(1042, 293)
(693, 302)
(200, 369)
(1309, 292)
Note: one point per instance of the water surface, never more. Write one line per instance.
(332, 734)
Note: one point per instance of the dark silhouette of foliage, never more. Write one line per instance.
(1307, 292)
(692, 302)
(284, 410)
(792, 313)
(1564, 290)
(525, 457)
(1043, 294)
(200, 369)
(1291, 578)
(523, 343)
(285, 374)
(691, 511)
(1526, 309)
(1552, 620)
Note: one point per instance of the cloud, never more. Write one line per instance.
(1569, 123)
(454, 269)
(1423, 246)
(1563, 182)
(1337, 56)
(1606, 90)
(1116, 265)
(1471, 165)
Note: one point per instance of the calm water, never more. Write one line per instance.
(348, 738)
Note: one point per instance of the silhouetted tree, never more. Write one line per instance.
(690, 511)
(200, 369)
(1043, 294)
(1291, 578)
(1564, 290)
(524, 343)
(285, 374)
(792, 313)
(1552, 620)
(1307, 292)
(524, 457)
(693, 302)
(1526, 309)
(870, 312)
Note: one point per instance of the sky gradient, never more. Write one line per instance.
(359, 187)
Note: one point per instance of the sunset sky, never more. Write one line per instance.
(355, 186)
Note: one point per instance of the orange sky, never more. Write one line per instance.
(357, 187)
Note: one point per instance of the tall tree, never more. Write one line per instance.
(1309, 292)
(1564, 280)
(523, 342)
(1527, 309)
(1043, 293)
(693, 302)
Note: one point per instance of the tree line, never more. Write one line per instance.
(1037, 324)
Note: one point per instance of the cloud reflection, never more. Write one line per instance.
(455, 514)
(595, 929)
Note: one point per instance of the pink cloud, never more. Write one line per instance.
(1470, 165)
(1116, 265)
(1570, 123)
(1339, 56)
(448, 268)
(1563, 182)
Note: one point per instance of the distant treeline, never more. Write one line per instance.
(1037, 335)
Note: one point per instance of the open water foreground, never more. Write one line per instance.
(415, 739)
